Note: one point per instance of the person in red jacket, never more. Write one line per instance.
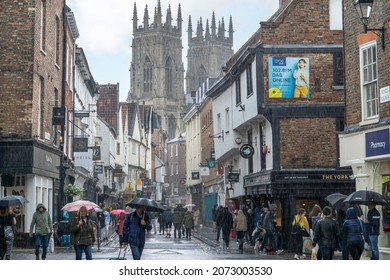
(119, 226)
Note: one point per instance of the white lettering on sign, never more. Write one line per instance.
(374, 145)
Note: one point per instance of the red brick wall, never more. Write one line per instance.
(22, 64)
(308, 143)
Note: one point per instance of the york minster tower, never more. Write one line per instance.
(156, 70)
(208, 51)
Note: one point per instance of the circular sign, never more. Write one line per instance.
(247, 151)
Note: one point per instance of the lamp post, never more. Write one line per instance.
(363, 9)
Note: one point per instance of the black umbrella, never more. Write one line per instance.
(365, 197)
(12, 200)
(336, 199)
(149, 204)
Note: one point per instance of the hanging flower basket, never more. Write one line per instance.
(73, 190)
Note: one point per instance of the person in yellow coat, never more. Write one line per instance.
(300, 219)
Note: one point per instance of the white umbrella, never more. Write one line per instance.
(189, 205)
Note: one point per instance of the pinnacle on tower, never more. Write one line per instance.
(231, 29)
(146, 18)
(179, 19)
(213, 26)
(135, 18)
(189, 29)
(207, 33)
(168, 21)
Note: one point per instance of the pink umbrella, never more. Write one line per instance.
(75, 205)
(118, 211)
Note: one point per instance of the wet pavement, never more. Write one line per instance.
(202, 246)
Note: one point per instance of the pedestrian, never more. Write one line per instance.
(354, 234)
(120, 221)
(214, 216)
(83, 234)
(226, 226)
(161, 224)
(136, 223)
(314, 215)
(241, 227)
(188, 223)
(102, 233)
(153, 221)
(107, 220)
(300, 219)
(167, 216)
(326, 234)
(7, 223)
(218, 222)
(269, 221)
(250, 222)
(177, 220)
(373, 220)
(196, 218)
(41, 221)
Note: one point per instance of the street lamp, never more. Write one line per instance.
(364, 8)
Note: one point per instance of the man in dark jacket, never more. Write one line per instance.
(373, 220)
(226, 224)
(177, 220)
(134, 228)
(326, 234)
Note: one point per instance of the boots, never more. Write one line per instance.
(37, 257)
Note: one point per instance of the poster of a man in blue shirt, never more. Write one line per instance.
(288, 77)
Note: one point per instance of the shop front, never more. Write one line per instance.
(31, 169)
(291, 190)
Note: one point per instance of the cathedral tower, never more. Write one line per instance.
(208, 51)
(156, 70)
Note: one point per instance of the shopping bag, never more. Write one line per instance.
(51, 244)
(314, 252)
(307, 245)
(367, 250)
(232, 234)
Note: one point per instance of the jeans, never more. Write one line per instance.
(177, 229)
(136, 251)
(79, 252)
(41, 240)
(374, 246)
(269, 234)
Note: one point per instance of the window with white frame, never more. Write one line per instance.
(369, 81)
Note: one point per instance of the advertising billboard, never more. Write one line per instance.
(288, 77)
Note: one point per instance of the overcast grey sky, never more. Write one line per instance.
(105, 28)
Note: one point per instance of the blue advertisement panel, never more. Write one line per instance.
(378, 143)
(288, 77)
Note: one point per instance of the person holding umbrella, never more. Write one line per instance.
(7, 221)
(373, 220)
(83, 234)
(136, 223)
(41, 220)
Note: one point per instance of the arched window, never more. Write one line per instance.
(202, 75)
(168, 76)
(148, 75)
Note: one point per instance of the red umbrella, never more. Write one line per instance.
(75, 205)
(118, 211)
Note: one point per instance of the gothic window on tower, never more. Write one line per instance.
(148, 75)
(202, 75)
(168, 76)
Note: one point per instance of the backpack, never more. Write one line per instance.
(296, 228)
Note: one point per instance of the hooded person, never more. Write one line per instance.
(41, 221)
(353, 233)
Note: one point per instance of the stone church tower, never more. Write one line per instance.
(157, 71)
(208, 51)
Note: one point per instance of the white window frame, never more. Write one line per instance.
(366, 80)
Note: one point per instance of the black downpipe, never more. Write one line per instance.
(61, 196)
